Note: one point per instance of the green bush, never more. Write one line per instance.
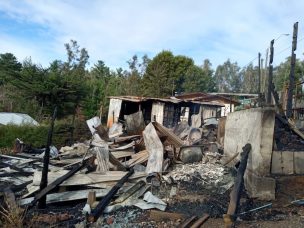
(36, 136)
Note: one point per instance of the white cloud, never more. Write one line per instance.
(115, 30)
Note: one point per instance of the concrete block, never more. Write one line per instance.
(282, 162)
(262, 188)
(254, 126)
(299, 162)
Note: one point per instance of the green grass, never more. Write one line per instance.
(36, 136)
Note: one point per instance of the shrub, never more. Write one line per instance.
(36, 136)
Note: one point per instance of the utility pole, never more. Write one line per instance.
(270, 74)
(259, 73)
(292, 71)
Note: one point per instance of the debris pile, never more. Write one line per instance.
(130, 173)
(118, 167)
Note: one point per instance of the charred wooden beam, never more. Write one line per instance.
(46, 160)
(95, 214)
(200, 221)
(54, 184)
(235, 194)
(292, 71)
(188, 222)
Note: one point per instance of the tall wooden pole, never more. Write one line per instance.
(292, 71)
(46, 160)
(270, 74)
(265, 73)
(259, 88)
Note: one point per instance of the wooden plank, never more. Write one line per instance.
(102, 158)
(87, 179)
(171, 137)
(155, 148)
(14, 157)
(130, 145)
(139, 158)
(66, 196)
(122, 154)
(55, 183)
(130, 192)
(31, 189)
(125, 138)
(159, 216)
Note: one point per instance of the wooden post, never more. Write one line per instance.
(235, 194)
(46, 160)
(292, 71)
(259, 73)
(270, 74)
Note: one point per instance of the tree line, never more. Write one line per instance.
(70, 85)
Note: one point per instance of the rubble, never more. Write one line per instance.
(134, 175)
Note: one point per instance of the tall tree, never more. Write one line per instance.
(281, 73)
(250, 79)
(209, 80)
(158, 80)
(9, 69)
(228, 78)
(166, 74)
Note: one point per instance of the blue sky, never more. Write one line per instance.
(113, 31)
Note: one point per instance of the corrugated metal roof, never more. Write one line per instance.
(16, 118)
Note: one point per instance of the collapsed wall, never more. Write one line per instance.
(254, 126)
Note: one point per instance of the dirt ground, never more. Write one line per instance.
(194, 198)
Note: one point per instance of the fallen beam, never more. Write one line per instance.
(95, 214)
(188, 222)
(159, 216)
(130, 192)
(200, 221)
(235, 194)
(54, 184)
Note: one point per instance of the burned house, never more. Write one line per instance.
(192, 108)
